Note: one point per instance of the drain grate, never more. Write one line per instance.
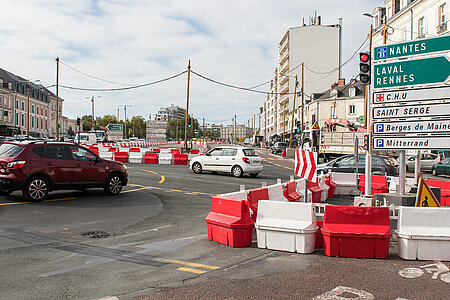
(96, 234)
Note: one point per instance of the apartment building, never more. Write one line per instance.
(171, 112)
(410, 19)
(14, 107)
(231, 133)
(317, 47)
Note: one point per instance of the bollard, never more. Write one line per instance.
(283, 153)
(242, 187)
(291, 178)
(278, 180)
(263, 184)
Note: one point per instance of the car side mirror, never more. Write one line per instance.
(98, 159)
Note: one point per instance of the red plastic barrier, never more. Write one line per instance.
(379, 184)
(150, 158)
(180, 159)
(290, 192)
(175, 151)
(316, 191)
(156, 150)
(331, 184)
(445, 190)
(229, 222)
(112, 149)
(195, 151)
(121, 157)
(253, 198)
(319, 235)
(354, 231)
(135, 150)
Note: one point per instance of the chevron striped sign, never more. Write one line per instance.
(306, 164)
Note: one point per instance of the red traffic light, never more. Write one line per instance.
(364, 57)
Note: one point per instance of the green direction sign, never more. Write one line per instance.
(422, 46)
(411, 72)
(115, 127)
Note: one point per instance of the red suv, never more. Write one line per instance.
(39, 167)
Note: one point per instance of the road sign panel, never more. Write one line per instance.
(425, 197)
(416, 126)
(411, 142)
(115, 127)
(411, 111)
(408, 95)
(412, 72)
(417, 47)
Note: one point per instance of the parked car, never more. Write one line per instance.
(381, 165)
(235, 160)
(427, 161)
(441, 168)
(37, 168)
(278, 147)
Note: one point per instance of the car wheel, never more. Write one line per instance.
(36, 189)
(253, 174)
(434, 172)
(197, 168)
(113, 185)
(236, 171)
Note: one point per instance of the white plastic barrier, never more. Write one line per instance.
(301, 189)
(135, 157)
(276, 192)
(124, 149)
(424, 233)
(164, 151)
(324, 187)
(345, 183)
(241, 195)
(394, 182)
(286, 226)
(106, 155)
(165, 158)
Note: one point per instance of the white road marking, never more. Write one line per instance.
(337, 292)
(410, 272)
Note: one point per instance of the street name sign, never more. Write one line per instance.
(115, 127)
(412, 72)
(416, 126)
(411, 111)
(417, 142)
(417, 47)
(408, 95)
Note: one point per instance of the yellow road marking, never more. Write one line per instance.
(200, 193)
(191, 270)
(176, 190)
(49, 200)
(187, 263)
(62, 199)
(148, 171)
(162, 179)
(140, 189)
(15, 203)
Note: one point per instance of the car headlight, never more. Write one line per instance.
(125, 166)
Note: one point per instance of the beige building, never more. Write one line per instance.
(318, 48)
(229, 133)
(410, 19)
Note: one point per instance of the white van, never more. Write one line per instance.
(86, 138)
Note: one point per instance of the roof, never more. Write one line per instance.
(342, 91)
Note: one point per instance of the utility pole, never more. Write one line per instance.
(235, 136)
(57, 100)
(177, 131)
(293, 111)
(368, 163)
(93, 119)
(125, 109)
(187, 104)
(303, 99)
(204, 136)
(118, 115)
(265, 121)
(284, 123)
(28, 110)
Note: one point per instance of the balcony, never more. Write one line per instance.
(282, 58)
(284, 68)
(441, 28)
(284, 88)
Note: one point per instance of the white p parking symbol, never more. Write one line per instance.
(380, 143)
(379, 128)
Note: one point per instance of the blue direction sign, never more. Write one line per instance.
(416, 142)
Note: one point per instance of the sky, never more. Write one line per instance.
(116, 44)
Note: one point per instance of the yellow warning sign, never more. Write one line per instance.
(425, 197)
(315, 126)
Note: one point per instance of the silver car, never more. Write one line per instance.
(427, 160)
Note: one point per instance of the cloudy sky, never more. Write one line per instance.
(114, 44)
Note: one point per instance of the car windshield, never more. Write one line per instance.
(250, 152)
(282, 144)
(10, 150)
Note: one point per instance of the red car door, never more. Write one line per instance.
(55, 162)
(87, 169)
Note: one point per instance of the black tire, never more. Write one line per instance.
(237, 171)
(113, 185)
(434, 172)
(36, 189)
(253, 174)
(197, 168)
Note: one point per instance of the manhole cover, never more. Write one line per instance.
(96, 234)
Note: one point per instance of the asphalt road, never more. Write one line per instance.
(153, 244)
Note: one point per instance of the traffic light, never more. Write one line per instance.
(364, 68)
(298, 124)
(366, 142)
(189, 122)
(78, 121)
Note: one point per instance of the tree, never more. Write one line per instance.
(137, 127)
(105, 120)
(171, 129)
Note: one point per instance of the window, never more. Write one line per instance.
(17, 104)
(441, 14)
(32, 122)
(17, 118)
(352, 92)
(10, 150)
(55, 152)
(32, 109)
(421, 27)
(82, 154)
(229, 152)
(352, 109)
(23, 105)
(347, 161)
(216, 152)
(40, 151)
(23, 123)
(250, 152)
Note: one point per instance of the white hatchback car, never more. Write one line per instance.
(234, 160)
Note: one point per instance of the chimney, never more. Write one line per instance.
(341, 82)
(319, 19)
